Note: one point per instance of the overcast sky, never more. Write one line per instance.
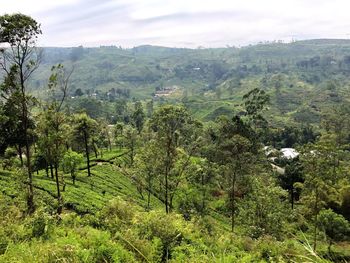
(183, 23)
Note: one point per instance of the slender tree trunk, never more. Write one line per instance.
(148, 199)
(47, 170)
(132, 152)
(30, 200)
(59, 199)
(73, 177)
(171, 198)
(49, 154)
(118, 144)
(233, 208)
(315, 220)
(25, 113)
(166, 191)
(203, 193)
(292, 197)
(109, 143)
(167, 168)
(167, 253)
(149, 192)
(51, 170)
(63, 184)
(95, 149)
(20, 154)
(87, 152)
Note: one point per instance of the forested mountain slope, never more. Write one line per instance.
(303, 78)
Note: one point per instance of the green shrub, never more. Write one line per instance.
(4, 241)
(118, 208)
(104, 254)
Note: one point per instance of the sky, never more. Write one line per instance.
(182, 23)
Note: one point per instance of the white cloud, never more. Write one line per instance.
(33, 6)
(183, 22)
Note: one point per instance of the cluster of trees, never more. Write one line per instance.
(47, 137)
(171, 153)
(189, 166)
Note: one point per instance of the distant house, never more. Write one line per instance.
(289, 153)
(274, 155)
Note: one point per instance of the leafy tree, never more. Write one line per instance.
(118, 134)
(131, 139)
(20, 32)
(334, 122)
(292, 175)
(70, 163)
(52, 142)
(53, 124)
(255, 102)
(78, 92)
(196, 192)
(138, 117)
(10, 159)
(97, 139)
(149, 108)
(290, 136)
(335, 226)
(92, 107)
(121, 111)
(262, 211)
(322, 170)
(345, 202)
(40, 163)
(169, 123)
(147, 163)
(104, 136)
(233, 151)
(11, 131)
(84, 129)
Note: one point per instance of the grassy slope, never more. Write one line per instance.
(90, 193)
(110, 179)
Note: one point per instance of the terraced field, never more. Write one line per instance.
(109, 180)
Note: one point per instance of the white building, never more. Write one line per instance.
(289, 153)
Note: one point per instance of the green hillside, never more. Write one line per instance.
(156, 154)
(104, 220)
(303, 78)
(89, 194)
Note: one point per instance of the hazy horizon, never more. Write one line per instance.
(201, 47)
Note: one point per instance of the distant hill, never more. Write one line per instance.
(302, 77)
